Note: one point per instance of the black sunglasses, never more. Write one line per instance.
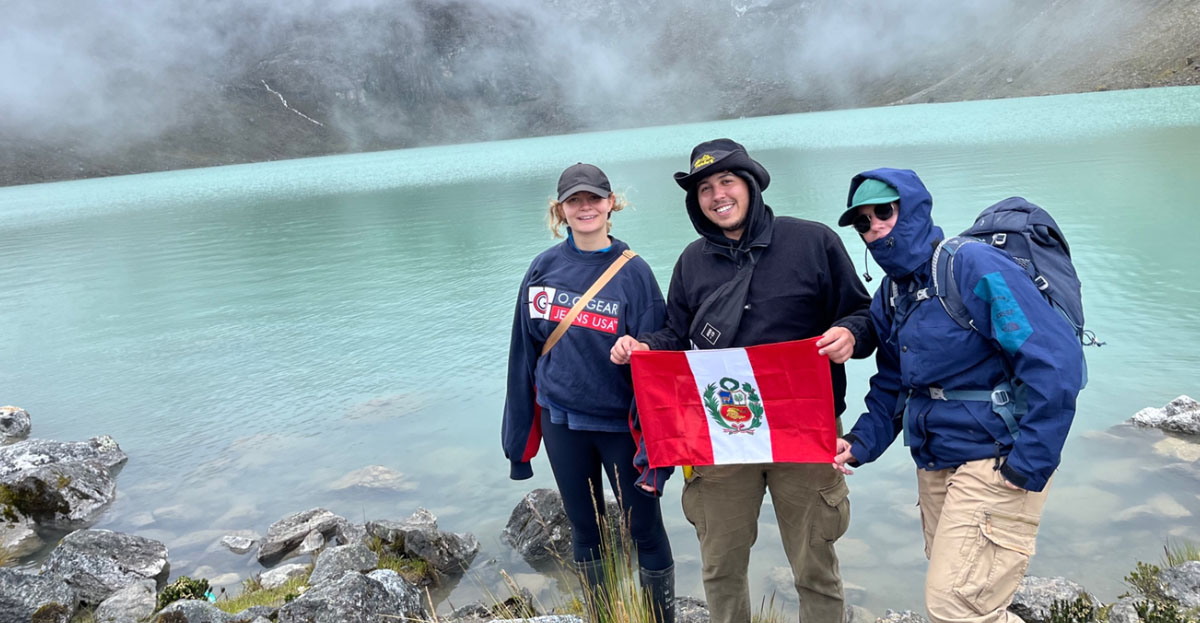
(883, 212)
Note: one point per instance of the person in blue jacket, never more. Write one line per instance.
(981, 490)
(572, 396)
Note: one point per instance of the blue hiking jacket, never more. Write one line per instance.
(921, 346)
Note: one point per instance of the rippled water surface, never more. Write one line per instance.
(251, 334)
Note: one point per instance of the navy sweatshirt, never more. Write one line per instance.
(576, 376)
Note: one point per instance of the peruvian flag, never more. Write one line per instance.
(761, 404)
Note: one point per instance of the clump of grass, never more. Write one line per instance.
(183, 588)
(1178, 552)
(272, 597)
(84, 615)
(1081, 610)
(414, 570)
(767, 612)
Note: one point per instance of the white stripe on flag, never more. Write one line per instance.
(709, 367)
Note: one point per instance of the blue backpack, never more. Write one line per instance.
(1029, 235)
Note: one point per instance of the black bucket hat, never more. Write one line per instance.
(582, 176)
(718, 155)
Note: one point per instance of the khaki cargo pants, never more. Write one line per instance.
(813, 511)
(979, 536)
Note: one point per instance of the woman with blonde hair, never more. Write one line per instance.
(575, 300)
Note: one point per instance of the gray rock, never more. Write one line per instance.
(1181, 415)
(858, 614)
(690, 610)
(411, 599)
(19, 537)
(1123, 611)
(904, 616)
(38, 452)
(1182, 583)
(64, 485)
(22, 594)
(335, 562)
(350, 534)
(355, 598)
(254, 614)
(193, 611)
(1035, 595)
(538, 527)
(274, 578)
(374, 477)
(97, 563)
(314, 542)
(14, 424)
(285, 535)
(395, 533)
(135, 602)
(419, 537)
(65, 496)
(175, 513)
(449, 553)
(471, 613)
(238, 544)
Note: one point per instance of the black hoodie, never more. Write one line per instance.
(803, 283)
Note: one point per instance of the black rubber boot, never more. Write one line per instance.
(660, 586)
(592, 577)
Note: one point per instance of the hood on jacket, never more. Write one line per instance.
(759, 224)
(911, 242)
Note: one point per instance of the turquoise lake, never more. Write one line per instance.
(250, 334)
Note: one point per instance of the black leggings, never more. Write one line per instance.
(576, 458)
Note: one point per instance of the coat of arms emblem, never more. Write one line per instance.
(735, 407)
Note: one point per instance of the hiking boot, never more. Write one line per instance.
(660, 586)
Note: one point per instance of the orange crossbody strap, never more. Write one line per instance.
(565, 323)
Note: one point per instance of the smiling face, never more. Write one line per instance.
(587, 213)
(879, 228)
(724, 199)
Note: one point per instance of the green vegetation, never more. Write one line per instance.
(414, 570)
(183, 588)
(50, 613)
(253, 594)
(1144, 581)
(768, 613)
(32, 501)
(1081, 610)
(1153, 604)
(1163, 612)
(1178, 552)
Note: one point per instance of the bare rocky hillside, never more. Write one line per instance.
(274, 83)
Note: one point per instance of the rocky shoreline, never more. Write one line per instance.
(351, 573)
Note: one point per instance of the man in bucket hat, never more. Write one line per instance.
(754, 278)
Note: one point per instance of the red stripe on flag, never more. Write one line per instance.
(797, 389)
(672, 416)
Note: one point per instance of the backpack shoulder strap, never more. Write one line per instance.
(945, 286)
